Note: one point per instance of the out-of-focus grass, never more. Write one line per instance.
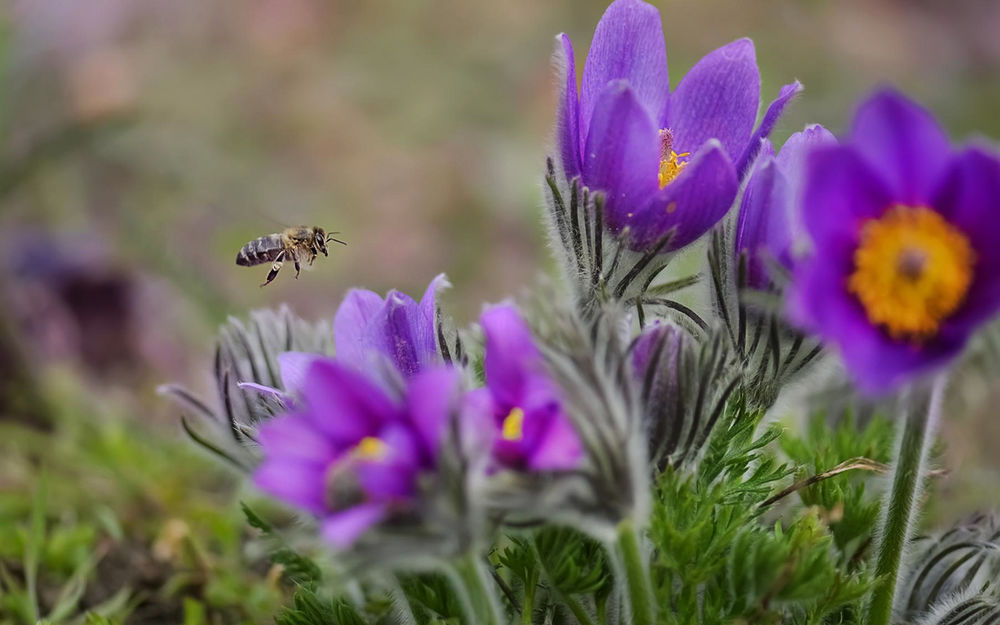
(105, 514)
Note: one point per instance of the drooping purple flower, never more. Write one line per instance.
(657, 344)
(664, 160)
(532, 432)
(397, 328)
(349, 453)
(766, 228)
(906, 244)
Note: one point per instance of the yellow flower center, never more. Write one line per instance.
(371, 448)
(911, 270)
(670, 163)
(513, 425)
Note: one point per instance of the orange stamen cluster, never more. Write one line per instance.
(912, 270)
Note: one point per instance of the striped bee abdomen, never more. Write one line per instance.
(258, 251)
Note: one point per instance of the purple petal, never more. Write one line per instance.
(662, 373)
(774, 111)
(568, 140)
(700, 196)
(877, 363)
(298, 483)
(401, 332)
(511, 354)
(627, 45)
(794, 155)
(350, 326)
(344, 403)
(623, 154)
(429, 308)
(904, 143)
(647, 343)
(841, 193)
(431, 400)
(763, 229)
(392, 477)
(344, 528)
(968, 198)
(294, 437)
(539, 393)
(717, 99)
(294, 366)
(559, 448)
(478, 424)
(792, 161)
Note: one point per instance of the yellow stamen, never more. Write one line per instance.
(371, 448)
(670, 164)
(513, 425)
(671, 167)
(912, 270)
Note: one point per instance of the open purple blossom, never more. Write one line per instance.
(906, 244)
(765, 230)
(396, 328)
(349, 453)
(524, 405)
(665, 161)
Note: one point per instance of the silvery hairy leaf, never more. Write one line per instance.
(959, 565)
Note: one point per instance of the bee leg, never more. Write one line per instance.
(275, 268)
(298, 268)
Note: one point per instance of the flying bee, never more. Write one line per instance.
(297, 244)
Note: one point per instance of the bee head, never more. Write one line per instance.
(319, 240)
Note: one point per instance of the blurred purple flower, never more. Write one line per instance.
(766, 228)
(665, 160)
(906, 258)
(532, 432)
(349, 453)
(368, 327)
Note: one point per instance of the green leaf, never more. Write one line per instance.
(298, 568)
(255, 520)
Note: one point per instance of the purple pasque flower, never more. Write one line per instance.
(906, 244)
(766, 228)
(369, 328)
(351, 454)
(665, 161)
(531, 430)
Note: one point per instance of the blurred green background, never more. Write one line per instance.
(144, 141)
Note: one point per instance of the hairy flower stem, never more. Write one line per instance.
(528, 608)
(915, 438)
(640, 594)
(577, 609)
(480, 600)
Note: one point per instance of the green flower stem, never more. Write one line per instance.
(640, 594)
(577, 609)
(482, 604)
(915, 438)
(528, 608)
